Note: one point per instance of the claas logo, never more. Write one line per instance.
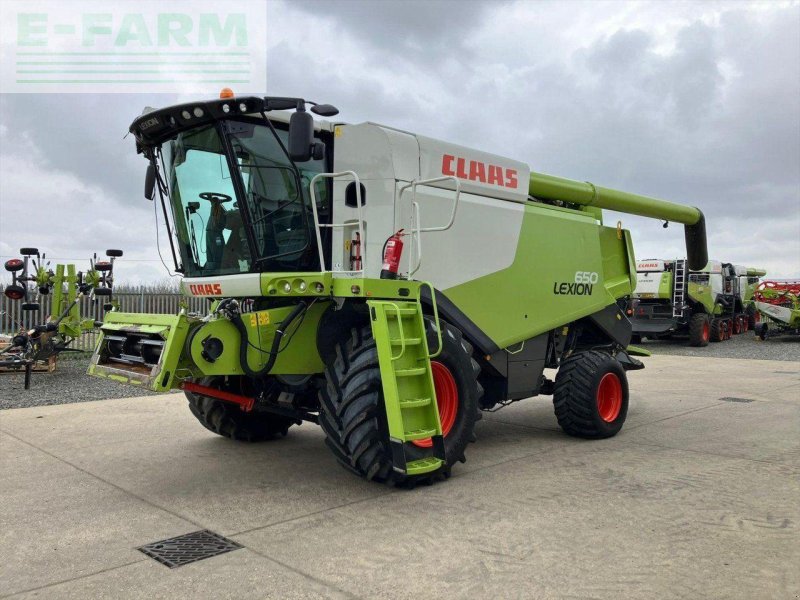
(205, 289)
(475, 170)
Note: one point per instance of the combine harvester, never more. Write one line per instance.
(383, 284)
(708, 304)
(778, 303)
(67, 286)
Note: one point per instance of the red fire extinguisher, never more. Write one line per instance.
(355, 253)
(391, 256)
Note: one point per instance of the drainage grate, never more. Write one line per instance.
(189, 548)
(728, 399)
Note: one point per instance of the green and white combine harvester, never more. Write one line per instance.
(383, 284)
(778, 304)
(708, 304)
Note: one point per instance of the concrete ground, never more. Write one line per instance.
(697, 497)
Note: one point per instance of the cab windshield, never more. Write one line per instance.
(268, 228)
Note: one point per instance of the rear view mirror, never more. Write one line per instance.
(325, 110)
(301, 136)
(150, 182)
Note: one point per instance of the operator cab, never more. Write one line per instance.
(237, 182)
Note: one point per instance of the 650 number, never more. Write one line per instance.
(586, 277)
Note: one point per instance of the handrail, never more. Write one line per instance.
(436, 323)
(318, 225)
(413, 185)
(416, 222)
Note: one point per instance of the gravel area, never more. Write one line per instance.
(746, 345)
(67, 384)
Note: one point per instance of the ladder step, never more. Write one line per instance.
(414, 402)
(419, 434)
(423, 465)
(409, 342)
(404, 312)
(410, 372)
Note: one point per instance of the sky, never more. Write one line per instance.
(697, 103)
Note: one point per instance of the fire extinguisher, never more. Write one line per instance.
(355, 253)
(392, 251)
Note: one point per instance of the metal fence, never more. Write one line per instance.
(12, 317)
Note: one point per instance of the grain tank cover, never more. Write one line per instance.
(479, 172)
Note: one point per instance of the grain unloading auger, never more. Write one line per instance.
(383, 284)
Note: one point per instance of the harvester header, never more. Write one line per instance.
(550, 187)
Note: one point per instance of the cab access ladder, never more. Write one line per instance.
(679, 289)
(409, 394)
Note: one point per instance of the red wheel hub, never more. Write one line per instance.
(706, 331)
(446, 397)
(609, 397)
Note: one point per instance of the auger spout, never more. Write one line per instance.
(549, 187)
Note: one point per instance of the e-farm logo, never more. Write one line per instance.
(128, 46)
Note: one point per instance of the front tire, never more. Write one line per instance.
(354, 417)
(591, 395)
(699, 330)
(228, 420)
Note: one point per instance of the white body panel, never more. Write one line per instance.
(646, 266)
(485, 233)
(237, 286)
(781, 313)
(647, 284)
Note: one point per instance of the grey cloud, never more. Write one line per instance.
(714, 121)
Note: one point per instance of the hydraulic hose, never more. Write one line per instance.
(244, 341)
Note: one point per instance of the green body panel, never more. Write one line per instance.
(665, 286)
(408, 390)
(171, 367)
(587, 194)
(300, 357)
(702, 294)
(525, 299)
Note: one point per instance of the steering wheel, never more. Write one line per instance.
(215, 197)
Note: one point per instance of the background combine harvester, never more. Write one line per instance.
(708, 304)
(67, 286)
(778, 303)
(383, 284)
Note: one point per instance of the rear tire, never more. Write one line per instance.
(354, 418)
(591, 395)
(717, 330)
(699, 330)
(228, 420)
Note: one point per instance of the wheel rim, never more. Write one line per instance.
(609, 397)
(706, 331)
(446, 398)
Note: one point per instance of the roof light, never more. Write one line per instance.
(226, 92)
(198, 112)
(243, 107)
(186, 115)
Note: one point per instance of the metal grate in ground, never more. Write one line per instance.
(189, 548)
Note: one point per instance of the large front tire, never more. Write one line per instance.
(354, 418)
(591, 395)
(699, 330)
(228, 420)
